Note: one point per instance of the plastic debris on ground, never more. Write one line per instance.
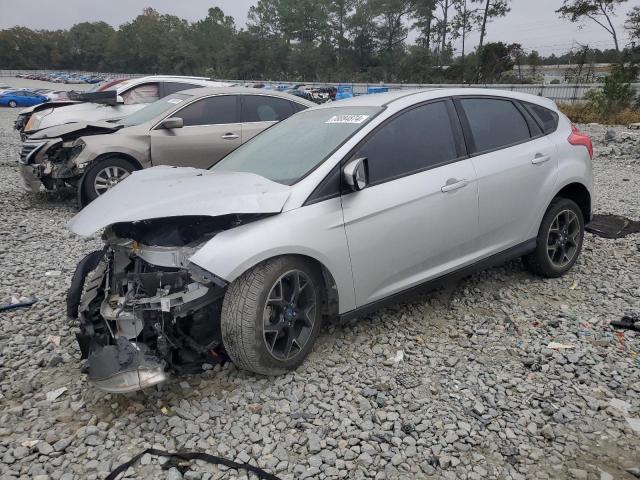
(560, 346)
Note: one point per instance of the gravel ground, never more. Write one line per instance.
(474, 394)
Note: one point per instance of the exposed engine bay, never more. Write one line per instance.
(50, 153)
(144, 309)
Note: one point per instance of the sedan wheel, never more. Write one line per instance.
(108, 178)
(13, 104)
(102, 175)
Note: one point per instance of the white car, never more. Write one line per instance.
(124, 98)
(333, 212)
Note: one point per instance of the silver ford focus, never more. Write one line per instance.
(329, 214)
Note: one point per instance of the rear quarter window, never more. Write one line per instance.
(547, 119)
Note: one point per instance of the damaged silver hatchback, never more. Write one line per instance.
(329, 214)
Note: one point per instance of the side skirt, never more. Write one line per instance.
(497, 259)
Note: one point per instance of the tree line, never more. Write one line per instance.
(308, 40)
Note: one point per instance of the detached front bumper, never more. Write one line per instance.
(30, 181)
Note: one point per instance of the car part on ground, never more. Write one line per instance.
(188, 457)
(95, 156)
(612, 226)
(628, 322)
(334, 212)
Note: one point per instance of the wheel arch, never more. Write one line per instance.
(330, 288)
(580, 194)
(125, 156)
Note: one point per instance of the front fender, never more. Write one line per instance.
(315, 231)
(137, 148)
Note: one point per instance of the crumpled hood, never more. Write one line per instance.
(165, 191)
(67, 128)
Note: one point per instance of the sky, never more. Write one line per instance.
(532, 23)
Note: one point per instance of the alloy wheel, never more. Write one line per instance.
(289, 315)
(563, 238)
(108, 178)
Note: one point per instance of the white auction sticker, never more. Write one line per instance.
(174, 100)
(347, 119)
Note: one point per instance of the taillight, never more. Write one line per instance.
(579, 138)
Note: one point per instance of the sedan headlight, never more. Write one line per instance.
(76, 148)
(36, 119)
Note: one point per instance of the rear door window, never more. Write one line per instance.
(218, 110)
(262, 108)
(494, 123)
(415, 140)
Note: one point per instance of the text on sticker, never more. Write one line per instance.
(347, 119)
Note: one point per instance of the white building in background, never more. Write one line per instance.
(587, 73)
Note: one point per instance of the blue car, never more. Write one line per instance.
(21, 98)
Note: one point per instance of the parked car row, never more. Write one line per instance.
(64, 77)
(242, 243)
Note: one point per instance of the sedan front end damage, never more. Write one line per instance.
(49, 157)
(143, 308)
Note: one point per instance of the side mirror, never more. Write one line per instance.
(171, 123)
(356, 174)
(119, 99)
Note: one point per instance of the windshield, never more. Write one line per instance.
(289, 150)
(154, 109)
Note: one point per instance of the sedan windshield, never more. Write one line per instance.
(154, 109)
(289, 150)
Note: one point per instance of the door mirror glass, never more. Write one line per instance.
(356, 174)
(171, 123)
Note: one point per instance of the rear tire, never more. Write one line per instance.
(13, 103)
(263, 329)
(559, 240)
(104, 175)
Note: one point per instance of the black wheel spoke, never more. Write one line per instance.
(563, 238)
(289, 314)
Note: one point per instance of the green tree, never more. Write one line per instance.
(598, 11)
(86, 45)
(633, 24)
(492, 9)
(493, 60)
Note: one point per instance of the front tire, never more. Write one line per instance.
(559, 240)
(13, 103)
(271, 315)
(103, 175)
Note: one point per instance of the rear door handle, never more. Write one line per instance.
(540, 158)
(454, 184)
(229, 136)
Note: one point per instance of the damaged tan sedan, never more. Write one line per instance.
(193, 128)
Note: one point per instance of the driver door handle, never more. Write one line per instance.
(229, 136)
(454, 184)
(540, 158)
